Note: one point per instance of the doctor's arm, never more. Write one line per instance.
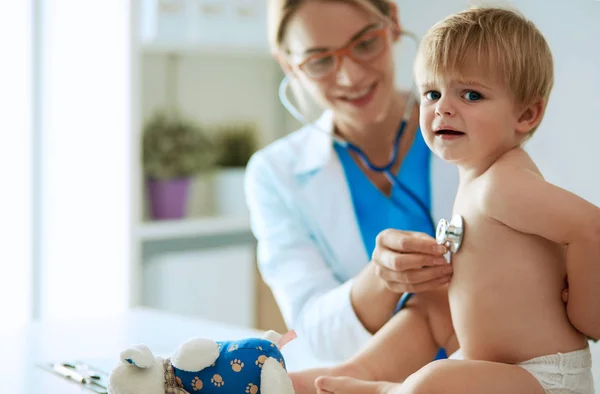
(538, 207)
(312, 300)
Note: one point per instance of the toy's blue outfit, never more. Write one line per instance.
(236, 370)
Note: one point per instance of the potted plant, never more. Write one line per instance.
(235, 143)
(174, 151)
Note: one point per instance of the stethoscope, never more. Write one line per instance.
(449, 234)
(385, 169)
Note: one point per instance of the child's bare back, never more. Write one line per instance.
(505, 293)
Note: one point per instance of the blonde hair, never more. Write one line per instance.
(281, 11)
(500, 42)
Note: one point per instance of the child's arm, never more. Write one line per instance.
(526, 202)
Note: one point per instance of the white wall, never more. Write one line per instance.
(16, 162)
(85, 178)
(565, 147)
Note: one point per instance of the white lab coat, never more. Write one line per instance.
(309, 242)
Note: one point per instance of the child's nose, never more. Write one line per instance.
(445, 107)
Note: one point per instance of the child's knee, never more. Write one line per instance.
(427, 380)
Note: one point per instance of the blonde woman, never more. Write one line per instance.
(340, 240)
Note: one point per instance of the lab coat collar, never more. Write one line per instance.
(318, 145)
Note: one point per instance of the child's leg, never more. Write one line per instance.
(406, 343)
(444, 377)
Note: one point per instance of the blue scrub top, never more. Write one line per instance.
(376, 212)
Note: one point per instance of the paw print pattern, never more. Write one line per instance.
(251, 388)
(217, 380)
(261, 360)
(197, 384)
(259, 348)
(281, 362)
(233, 347)
(236, 365)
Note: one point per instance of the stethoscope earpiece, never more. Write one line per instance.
(450, 234)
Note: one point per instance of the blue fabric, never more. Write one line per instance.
(237, 369)
(376, 212)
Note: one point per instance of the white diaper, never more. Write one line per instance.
(563, 373)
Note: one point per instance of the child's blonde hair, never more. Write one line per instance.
(500, 42)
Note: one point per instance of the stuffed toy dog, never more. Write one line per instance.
(247, 366)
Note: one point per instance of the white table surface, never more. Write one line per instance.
(100, 342)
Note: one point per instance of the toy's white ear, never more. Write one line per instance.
(195, 355)
(274, 379)
(138, 355)
(138, 372)
(272, 336)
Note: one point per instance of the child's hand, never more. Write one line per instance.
(565, 298)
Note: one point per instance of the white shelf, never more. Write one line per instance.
(192, 228)
(205, 49)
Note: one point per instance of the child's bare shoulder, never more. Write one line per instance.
(504, 178)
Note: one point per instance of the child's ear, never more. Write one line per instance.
(530, 116)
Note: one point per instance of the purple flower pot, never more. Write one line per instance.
(168, 197)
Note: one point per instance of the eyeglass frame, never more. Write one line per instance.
(346, 50)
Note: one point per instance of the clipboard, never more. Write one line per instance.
(81, 373)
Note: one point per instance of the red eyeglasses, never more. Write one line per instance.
(364, 49)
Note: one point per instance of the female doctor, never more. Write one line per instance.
(340, 240)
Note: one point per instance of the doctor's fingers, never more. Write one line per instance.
(405, 261)
(408, 242)
(415, 280)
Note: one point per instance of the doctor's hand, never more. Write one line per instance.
(410, 262)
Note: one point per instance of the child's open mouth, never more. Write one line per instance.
(448, 132)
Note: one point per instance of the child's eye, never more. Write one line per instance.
(433, 95)
(472, 96)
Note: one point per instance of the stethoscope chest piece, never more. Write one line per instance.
(450, 233)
